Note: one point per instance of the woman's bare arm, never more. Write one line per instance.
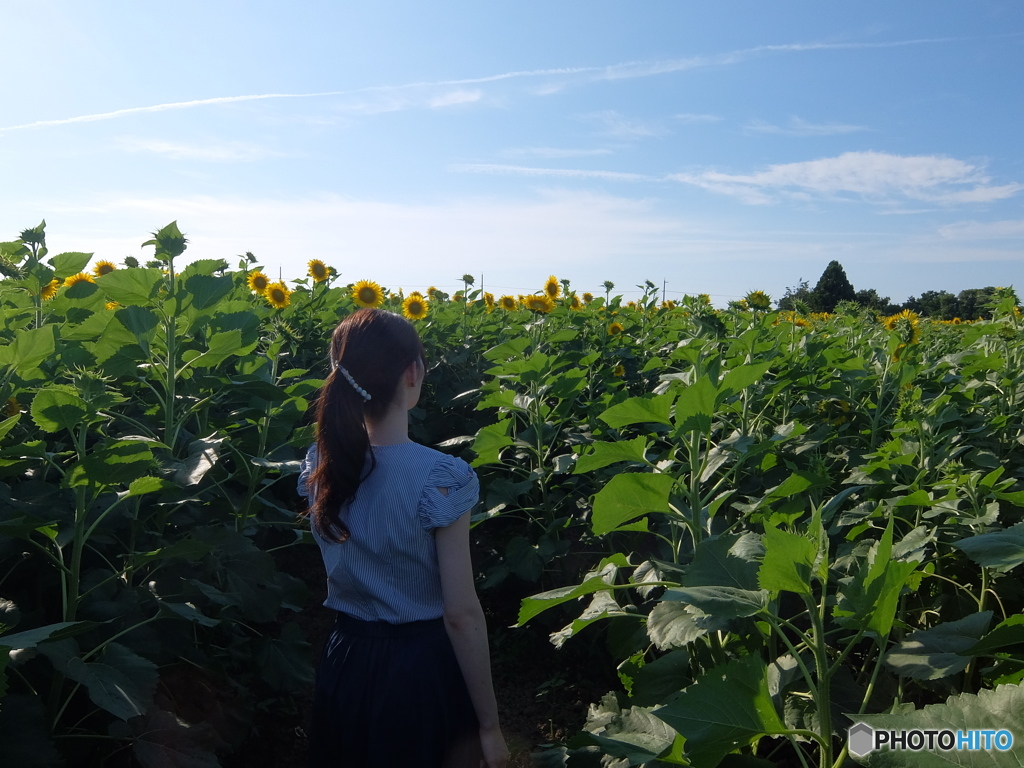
(464, 620)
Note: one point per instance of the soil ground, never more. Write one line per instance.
(543, 693)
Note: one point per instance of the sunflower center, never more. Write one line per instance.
(367, 295)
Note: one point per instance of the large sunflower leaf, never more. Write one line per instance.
(728, 707)
(991, 710)
(627, 497)
(929, 654)
(998, 550)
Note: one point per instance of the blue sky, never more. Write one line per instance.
(713, 147)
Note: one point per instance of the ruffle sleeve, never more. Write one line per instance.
(306, 467)
(438, 510)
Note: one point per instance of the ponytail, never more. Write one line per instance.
(370, 349)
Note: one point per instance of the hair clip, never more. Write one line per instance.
(365, 395)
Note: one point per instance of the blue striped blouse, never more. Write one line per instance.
(387, 569)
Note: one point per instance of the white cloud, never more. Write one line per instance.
(983, 230)
(798, 127)
(229, 152)
(696, 118)
(376, 99)
(456, 97)
(620, 127)
(872, 176)
(552, 152)
(571, 173)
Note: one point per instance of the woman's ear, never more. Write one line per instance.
(414, 373)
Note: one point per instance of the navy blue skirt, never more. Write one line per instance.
(391, 695)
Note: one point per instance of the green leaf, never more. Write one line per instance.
(67, 264)
(141, 322)
(54, 409)
(928, 654)
(30, 638)
(168, 241)
(728, 561)
(726, 708)
(1008, 634)
(627, 497)
(999, 550)
(738, 379)
(131, 286)
(796, 483)
(285, 662)
(117, 464)
(531, 606)
(674, 625)
(603, 454)
(222, 346)
(8, 424)
(207, 290)
(872, 595)
(634, 735)
(653, 683)
(202, 455)
(640, 410)
(723, 602)
(992, 710)
(788, 562)
(29, 350)
(489, 442)
(510, 349)
(695, 407)
(123, 683)
(143, 485)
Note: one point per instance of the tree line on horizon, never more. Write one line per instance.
(834, 288)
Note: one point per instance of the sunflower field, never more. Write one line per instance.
(767, 525)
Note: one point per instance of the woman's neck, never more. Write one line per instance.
(390, 429)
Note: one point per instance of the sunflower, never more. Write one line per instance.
(459, 297)
(111, 305)
(318, 270)
(415, 307)
(489, 302)
(620, 370)
(759, 300)
(552, 288)
(102, 268)
(539, 303)
(278, 295)
(704, 298)
(258, 282)
(49, 290)
(587, 298)
(431, 291)
(907, 315)
(615, 329)
(367, 293)
(12, 407)
(576, 304)
(81, 277)
(508, 303)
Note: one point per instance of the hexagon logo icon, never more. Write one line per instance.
(861, 739)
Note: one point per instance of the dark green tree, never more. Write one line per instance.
(869, 299)
(800, 292)
(833, 286)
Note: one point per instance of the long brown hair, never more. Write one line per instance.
(375, 347)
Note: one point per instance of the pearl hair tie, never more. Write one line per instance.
(348, 376)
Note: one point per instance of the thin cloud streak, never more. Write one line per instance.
(798, 127)
(620, 71)
(573, 173)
